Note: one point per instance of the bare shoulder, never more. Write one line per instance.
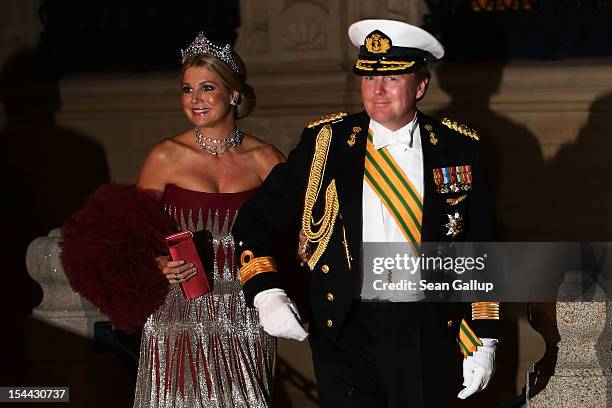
(158, 162)
(168, 149)
(263, 152)
(162, 152)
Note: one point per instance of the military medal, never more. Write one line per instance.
(447, 179)
(438, 179)
(454, 225)
(453, 179)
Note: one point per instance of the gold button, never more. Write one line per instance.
(449, 323)
(330, 296)
(330, 323)
(325, 269)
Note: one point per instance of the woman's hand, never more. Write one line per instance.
(175, 271)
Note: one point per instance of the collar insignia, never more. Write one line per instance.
(432, 136)
(353, 137)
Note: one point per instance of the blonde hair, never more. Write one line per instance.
(232, 80)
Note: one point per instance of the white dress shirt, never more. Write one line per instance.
(379, 227)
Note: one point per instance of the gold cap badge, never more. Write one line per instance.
(377, 43)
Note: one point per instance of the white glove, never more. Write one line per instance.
(478, 368)
(278, 314)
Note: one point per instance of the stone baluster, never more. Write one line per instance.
(61, 306)
(576, 370)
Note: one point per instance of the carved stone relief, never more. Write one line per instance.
(290, 31)
(408, 11)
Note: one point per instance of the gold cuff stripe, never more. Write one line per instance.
(485, 311)
(254, 266)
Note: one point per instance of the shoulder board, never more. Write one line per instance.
(326, 119)
(461, 128)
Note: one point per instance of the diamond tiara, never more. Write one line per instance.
(202, 46)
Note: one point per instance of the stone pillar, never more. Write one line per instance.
(61, 306)
(60, 348)
(577, 371)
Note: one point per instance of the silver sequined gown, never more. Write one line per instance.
(210, 351)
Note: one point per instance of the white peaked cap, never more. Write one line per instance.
(401, 35)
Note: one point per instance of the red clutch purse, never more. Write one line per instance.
(182, 247)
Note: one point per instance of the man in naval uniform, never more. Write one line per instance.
(388, 174)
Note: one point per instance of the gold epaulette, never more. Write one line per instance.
(461, 128)
(326, 119)
(485, 311)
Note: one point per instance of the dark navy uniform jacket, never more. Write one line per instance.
(280, 199)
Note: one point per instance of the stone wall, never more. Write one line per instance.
(537, 112)
(544, 127)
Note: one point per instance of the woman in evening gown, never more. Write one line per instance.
(210, 351)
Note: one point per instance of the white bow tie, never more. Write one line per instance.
(385, 139)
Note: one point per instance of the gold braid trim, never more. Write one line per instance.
(485, 311)
(386, 65)
(365, 64)
(394, 65)
(461, 128)
(254, 266)
(332, 207)
(326, 119)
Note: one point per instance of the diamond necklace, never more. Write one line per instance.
(220, 146)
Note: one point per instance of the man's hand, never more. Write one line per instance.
(303, 251)
(278, 314)
(478, 368)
